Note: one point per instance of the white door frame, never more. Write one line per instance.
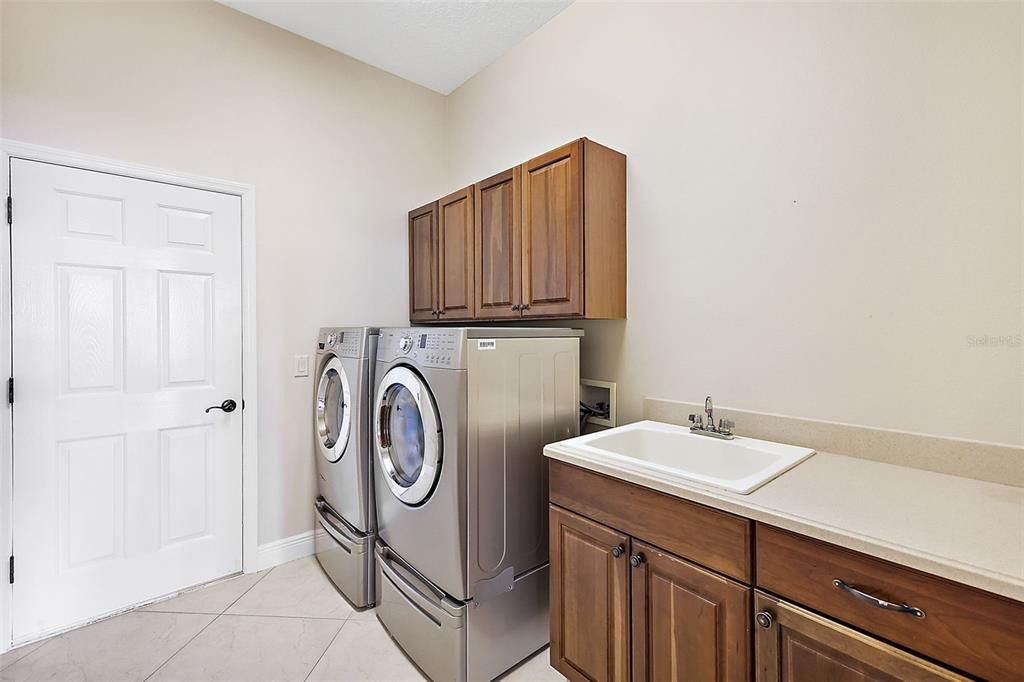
(250, 484)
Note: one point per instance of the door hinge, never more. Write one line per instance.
(10, 210)
(12, 569)
(10, 391)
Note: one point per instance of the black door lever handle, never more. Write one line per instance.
(228, 405)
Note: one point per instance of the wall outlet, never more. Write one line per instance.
(302, 365)
(593, 392)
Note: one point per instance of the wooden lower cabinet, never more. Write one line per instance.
(794, 645)
(647, 587)
(688, 623)
(589, 599)
(622, 609)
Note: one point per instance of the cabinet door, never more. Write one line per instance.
(689, 624)
(794, 645)
(589, 599)
(498, 249)
(553, 233)
(423, 263)
(456, 254)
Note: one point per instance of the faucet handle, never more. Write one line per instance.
(726, 425)
(693, 419)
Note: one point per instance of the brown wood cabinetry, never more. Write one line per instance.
(794, 645)
(590, 563)
(546, 239)
(423, 263)
(621, 607)
(712, 538)
(963, 627)
(688, 623)
(553, 233)
(695, 606)
(498, 255)
(455, 256)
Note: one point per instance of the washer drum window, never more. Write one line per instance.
(407, 435)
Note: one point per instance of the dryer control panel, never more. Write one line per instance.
(424, 347)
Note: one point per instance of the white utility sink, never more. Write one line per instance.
(740, 465)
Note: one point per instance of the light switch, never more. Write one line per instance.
(302, 365)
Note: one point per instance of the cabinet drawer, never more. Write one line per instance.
(794, 645)
(977, 632)
(711, 538)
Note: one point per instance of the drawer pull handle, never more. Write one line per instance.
(875, 601)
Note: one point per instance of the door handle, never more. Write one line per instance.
(228, 405)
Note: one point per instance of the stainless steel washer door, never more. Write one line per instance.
(333, 401)
(408, 435)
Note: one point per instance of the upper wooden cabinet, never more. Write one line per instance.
(423, 263)
(441, 259)
(574, 233)
(455, 256)
(553, 233)
(547, 239)
(498, 256)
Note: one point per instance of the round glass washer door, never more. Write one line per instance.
(408, 435)
(333, 401)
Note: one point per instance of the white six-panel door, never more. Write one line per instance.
(126, 312)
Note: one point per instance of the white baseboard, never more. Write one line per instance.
(286, 549)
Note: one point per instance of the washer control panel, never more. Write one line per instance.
(441, 348)
(349, 342)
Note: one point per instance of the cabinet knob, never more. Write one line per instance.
(515, 306)
(618, 550)
(636, 560)
(525, 306)
(764, 619)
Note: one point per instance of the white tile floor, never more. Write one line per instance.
(288, 623)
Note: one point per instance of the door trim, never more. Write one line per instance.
(250, 481)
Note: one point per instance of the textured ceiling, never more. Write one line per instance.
(439, 45)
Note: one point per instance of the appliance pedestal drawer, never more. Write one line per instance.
(977, 632)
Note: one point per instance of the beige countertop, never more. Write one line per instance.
(963, 529)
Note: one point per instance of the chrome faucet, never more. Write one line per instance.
(723, 430)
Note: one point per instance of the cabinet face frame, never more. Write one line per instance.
(793, 626)
(455, 273)
(616, 638)
(564, 269)
(487, 269)
(423, 218)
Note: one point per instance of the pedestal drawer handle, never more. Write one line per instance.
(875, 601)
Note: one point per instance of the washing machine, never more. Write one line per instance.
(344, 509)
(461, 418)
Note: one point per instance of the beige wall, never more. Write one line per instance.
(337, 151)
(825, 200)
